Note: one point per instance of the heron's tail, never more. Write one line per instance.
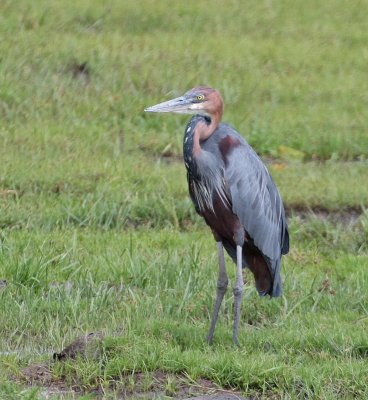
(285, 242)
(276, 290)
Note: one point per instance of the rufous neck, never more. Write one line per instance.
(215, 120)
(204, 130)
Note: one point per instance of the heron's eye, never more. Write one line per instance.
(200, 97)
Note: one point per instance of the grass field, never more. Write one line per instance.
(98, 233)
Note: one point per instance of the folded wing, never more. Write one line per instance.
(257, 202)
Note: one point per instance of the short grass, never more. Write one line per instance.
(98, 233)
(151, 293)
(292, 72)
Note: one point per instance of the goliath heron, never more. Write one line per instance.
(233, 191)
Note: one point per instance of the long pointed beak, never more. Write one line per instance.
(179, 105)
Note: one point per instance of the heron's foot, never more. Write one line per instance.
(236, 341)
(209, 338)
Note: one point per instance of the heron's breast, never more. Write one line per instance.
(221, 219)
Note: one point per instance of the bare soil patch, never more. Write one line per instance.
(343, 215)
(139, 385)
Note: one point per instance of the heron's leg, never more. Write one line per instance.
(238, 291)
(221, 289)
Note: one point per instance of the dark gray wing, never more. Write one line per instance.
(256, 201)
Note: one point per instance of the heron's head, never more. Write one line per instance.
(200, 100)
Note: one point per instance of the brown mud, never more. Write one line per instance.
(155, 385)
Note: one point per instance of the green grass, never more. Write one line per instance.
(98, 232)
(152, 292)
(291, 73)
